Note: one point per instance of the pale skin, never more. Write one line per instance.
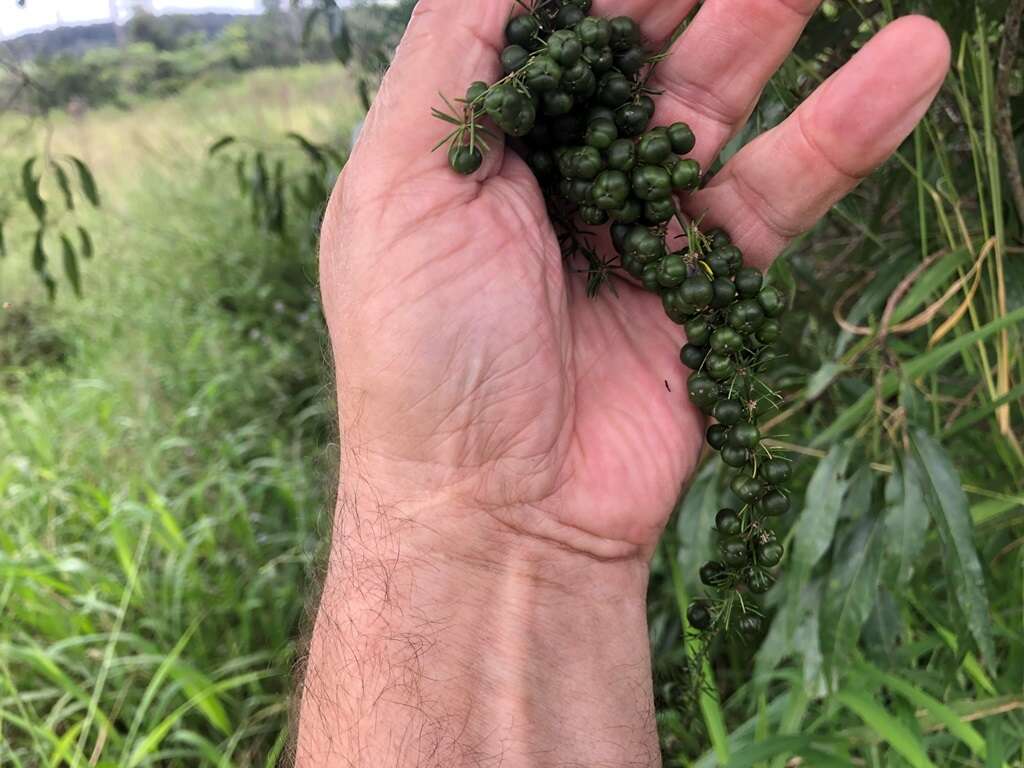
(510, 452)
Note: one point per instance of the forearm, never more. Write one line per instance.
(455, 644)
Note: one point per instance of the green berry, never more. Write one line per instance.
(698, 331)
(625, 33)
(727, 522)
(565, 47)
(735, 456)
(776, 471)
(746, 316)
(610, 190)
(714, 574)
(749, 282)
(671, 271)
(693, 356)
(703, 391)
(601, 133)
(770, 554)
(771, 301)
(651, 183)
(769, 332)
(522, 30)
(686, 175)
(759, 580)
(654, 148)
(614, 90)
(749, 489)
(744, 435)
(594, 31)
(725, 293)
(750, 625)
(698, 616)
(659, 211)
(622, 155)
(734, 552)
(682, 138)
(514, 58)
(698, 291)
(726, 341)
(717, 435)
(775, 503)
(729, 412)
(465, 160)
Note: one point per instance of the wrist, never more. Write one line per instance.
(486, 643)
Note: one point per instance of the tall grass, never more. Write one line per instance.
(162, 484)
(161, 493)
(898, 627)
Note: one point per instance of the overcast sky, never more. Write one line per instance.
(40, 14)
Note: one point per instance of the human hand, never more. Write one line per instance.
(472, 369)
(510, 452)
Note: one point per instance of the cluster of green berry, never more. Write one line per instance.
(575, 101)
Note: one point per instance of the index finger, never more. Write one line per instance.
(448, 45)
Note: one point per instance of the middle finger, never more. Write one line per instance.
(716, 71)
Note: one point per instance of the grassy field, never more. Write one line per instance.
(163, 461)
(165, 457)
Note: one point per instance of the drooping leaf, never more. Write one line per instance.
(696, 518)
(364, 94)
(65, 186)
(278, 204)
(85, 243)
(312, 150)
(816, 750)
(307, 27)
(918, 366)
(795, 632)
(71, 265)
(814, 529)
(341, 37)
(221, 143)
(851, 590)
(963, 731)
(891, 730)
(39, 264)
(87, 181)
(906, 522)
(947, 503)
(30, 186)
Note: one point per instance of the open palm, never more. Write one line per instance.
(473, 371)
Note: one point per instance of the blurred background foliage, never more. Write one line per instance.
(166, 440)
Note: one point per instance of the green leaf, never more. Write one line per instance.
(364, 94)
(809, 747)
(3, 244)
(30, 186)
(919, 366)
(39, 264)
(963, 731)
(85, 242)
(221, 143)
(307, 28)
(312, 150)
(71, 265)
(905, 522)
(65, 186)
(814, 529)
(821, 378)
(891, 730)
(948, 505)
(341, 38)
(87, 181)
(851, 590)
